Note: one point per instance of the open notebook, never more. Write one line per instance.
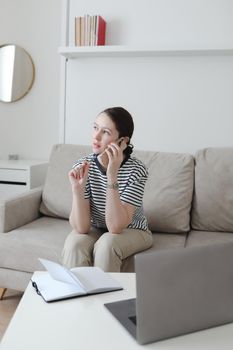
(60, 283)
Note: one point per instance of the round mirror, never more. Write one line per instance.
(17, 73)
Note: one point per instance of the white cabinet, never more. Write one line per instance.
(17, 176)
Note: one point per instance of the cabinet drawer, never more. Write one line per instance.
(13, 175)
(8, 191)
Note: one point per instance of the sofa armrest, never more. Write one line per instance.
(20, 210)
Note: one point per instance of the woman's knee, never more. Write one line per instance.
(106, 242)
(107, 254)
(77, 250)
(75, 241)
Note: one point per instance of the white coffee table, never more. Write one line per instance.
(85, 324)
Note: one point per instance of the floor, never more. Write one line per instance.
(7, 308)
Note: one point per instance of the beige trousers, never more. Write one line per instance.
(104, 249)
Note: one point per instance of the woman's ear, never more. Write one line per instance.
(123, 139)
(126, 139)
(125, 142)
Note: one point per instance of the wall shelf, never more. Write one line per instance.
(138, 51)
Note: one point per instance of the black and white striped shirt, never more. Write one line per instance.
(132, 177)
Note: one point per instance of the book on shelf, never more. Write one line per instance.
(90, 30)
(101, 31)
(59, 283)
(78, 31)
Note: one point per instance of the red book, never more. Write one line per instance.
(100, 31)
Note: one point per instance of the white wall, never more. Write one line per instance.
(178, 103)
(30, 126)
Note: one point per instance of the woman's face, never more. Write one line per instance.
(104, 132)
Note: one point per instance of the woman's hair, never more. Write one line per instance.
(124, 124)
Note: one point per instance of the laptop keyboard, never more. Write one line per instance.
(133, 319)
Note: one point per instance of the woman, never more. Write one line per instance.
(107, 186)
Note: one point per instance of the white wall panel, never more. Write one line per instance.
(30, 126)
(179, 103)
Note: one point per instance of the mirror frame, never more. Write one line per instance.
(25, 92)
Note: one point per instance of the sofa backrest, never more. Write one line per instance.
(57, 195)
(168, 192)
(213, 196)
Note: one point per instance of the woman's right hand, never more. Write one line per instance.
(78, 176)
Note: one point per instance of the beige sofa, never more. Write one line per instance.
(188, 201)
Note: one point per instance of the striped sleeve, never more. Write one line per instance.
(134, 190)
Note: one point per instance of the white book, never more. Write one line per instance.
(61, 283)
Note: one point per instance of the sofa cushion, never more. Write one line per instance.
(44, 238)
(168, 191)
(213, 196)
(196, 238)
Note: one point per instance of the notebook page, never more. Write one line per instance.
(95, 279)
(59, 272)
(51, 289)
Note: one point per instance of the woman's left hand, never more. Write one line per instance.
(115, 156)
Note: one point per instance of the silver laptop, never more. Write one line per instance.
(179, 291)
